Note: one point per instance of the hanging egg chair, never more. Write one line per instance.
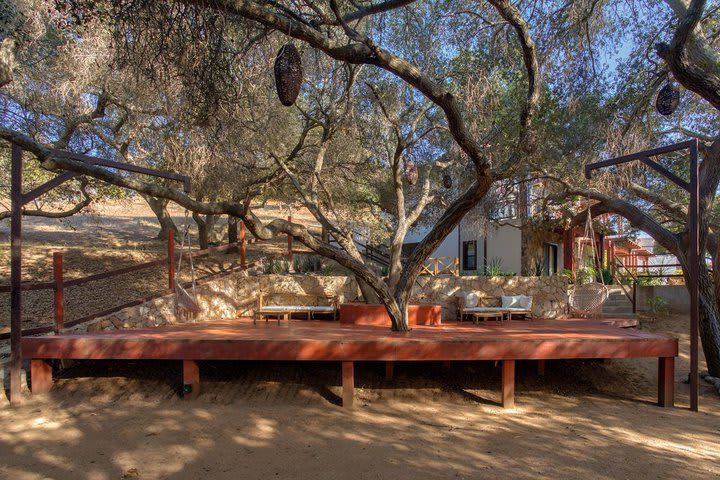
(667, 99)
(411, 172)
(288, 74)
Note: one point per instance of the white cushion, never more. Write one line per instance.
(484, 309)
(511, 301)
(471, 300)
(526, 301)
(296, 308)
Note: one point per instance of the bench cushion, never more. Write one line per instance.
(297, 308)
(485, 310)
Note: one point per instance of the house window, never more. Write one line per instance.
(470, 255)
(551, 259)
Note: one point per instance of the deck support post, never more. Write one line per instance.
(666, 381)
(541, 367)
(508, 383)
(191, 379)
(389, 370)
(348, 384)
(40, 376)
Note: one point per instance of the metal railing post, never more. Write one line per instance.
(171, 260)
(59, 303)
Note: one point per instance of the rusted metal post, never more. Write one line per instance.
(290, 242)
(16, 199)
(242, 245)
(171, 260)
(694, 261)
(59, 304)
(693, 257)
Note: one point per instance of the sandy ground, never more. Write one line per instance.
(583, 419)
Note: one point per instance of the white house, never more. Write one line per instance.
(500, 245)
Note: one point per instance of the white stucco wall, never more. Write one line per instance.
(448, 248)
(505, 242)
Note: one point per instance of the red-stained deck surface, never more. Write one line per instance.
(240, 339)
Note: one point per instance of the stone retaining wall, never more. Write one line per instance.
(550, 299)
(238, 294)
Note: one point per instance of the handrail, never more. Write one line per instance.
(618, 264)
(140, 301)
(73, 282)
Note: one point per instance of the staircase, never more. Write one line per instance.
(617, 305)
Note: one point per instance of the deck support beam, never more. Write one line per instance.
(40, 376)
(508, 383)
(666, 381)
(348, 384)
(191, 379)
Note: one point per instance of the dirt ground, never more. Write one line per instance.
(255, 420)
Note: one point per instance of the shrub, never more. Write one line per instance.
(276, 266)
(658, 305)
(494, 268)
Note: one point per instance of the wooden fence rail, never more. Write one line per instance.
(59, 283)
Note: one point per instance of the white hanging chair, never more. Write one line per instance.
(184, 301)
(587, 299)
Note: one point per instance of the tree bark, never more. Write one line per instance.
(709, 321)
(232, 233)
(206, 229)
(159, 208)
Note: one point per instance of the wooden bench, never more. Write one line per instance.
(489, 312)
(309, 305)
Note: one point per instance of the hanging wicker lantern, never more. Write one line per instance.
(667, 100)
(288, 74)
(447, 181)
(411, 172)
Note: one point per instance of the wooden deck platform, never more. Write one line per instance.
(240, 339)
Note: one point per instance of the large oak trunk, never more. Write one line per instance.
(159, 208)
(709, 323)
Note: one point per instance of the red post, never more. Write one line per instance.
(666, 381)
(171, 260)
(508, 383)
(242, 244)
(348, 384)
(290, 242)
(16, 197)
(59, 292)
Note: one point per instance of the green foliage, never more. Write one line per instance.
(307, 264)
(567, 273)
(585, 275)
(326, 269)
(468, 273)
(658, 305)
(276, 266)
(644, 280)
(494, 268)
(604, 276)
